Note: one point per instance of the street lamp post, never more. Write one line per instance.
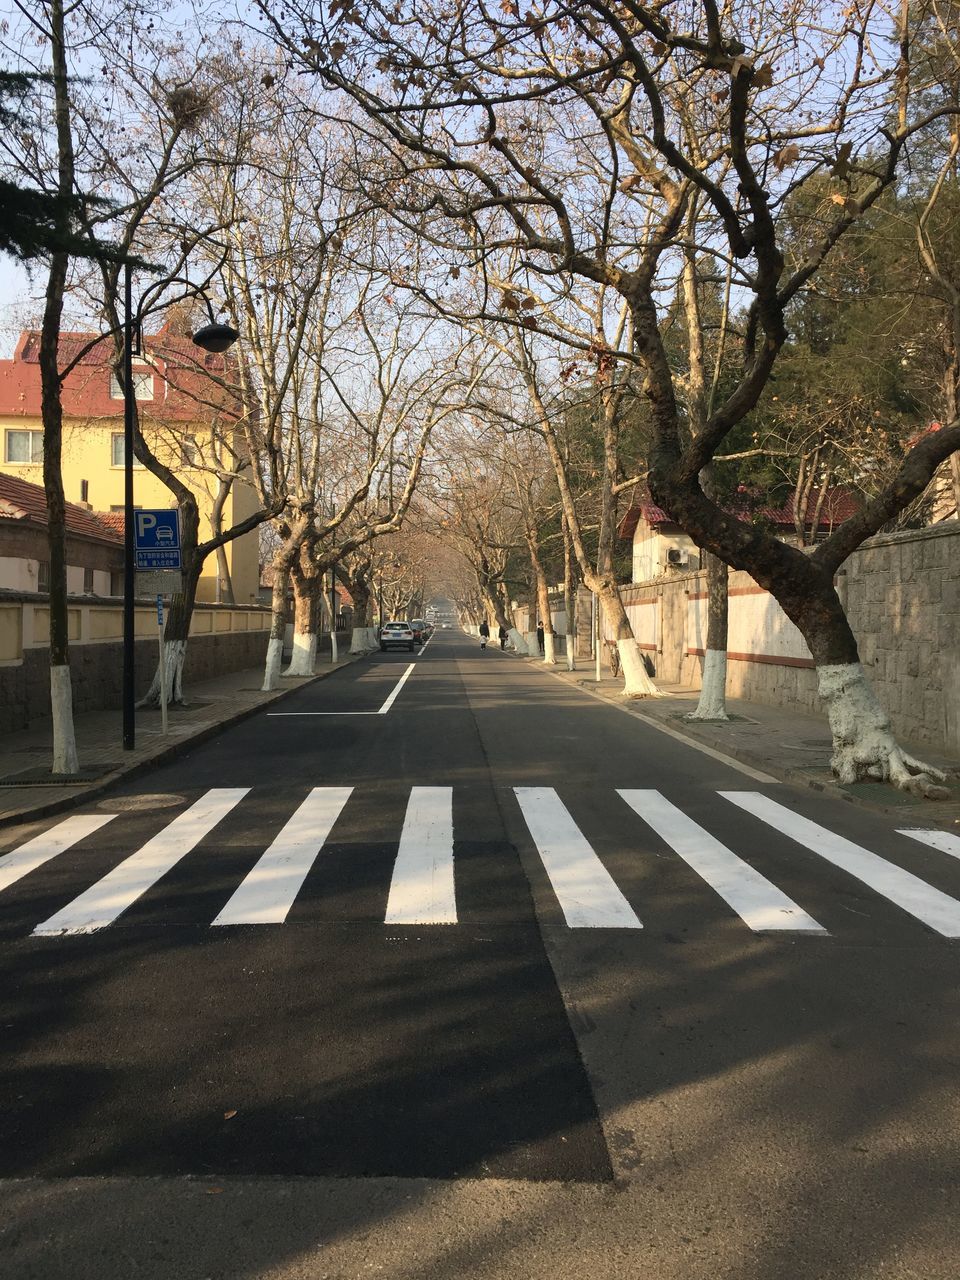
(212, 337)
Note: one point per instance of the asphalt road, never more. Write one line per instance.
(444, 968)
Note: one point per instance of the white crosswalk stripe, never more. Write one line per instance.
(422, 881)
(937, 910)
(944, 841)
(758, 903)
(21, 861)
(422, 888)
(111, 896)
(268, 892)
(588, 896)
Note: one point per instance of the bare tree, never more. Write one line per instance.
(449, 88)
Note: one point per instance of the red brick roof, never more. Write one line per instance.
(20, 500)
(839, 504)
(185, 386)
(113, 520)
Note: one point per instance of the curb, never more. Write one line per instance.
(162, 756)
(785, 773)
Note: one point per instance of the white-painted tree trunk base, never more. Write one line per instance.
(271, 670)
(174, 655)
(65, 759)
(712, 704)
(571, 659)
(636, 681)
(359, 640)
(373, 639)
(517, 640)
(303, 659)
(863, 742)
(334, 650)
(549, 649)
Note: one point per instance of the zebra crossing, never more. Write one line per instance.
(423, 881)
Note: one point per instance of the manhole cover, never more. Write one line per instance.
(122, 803)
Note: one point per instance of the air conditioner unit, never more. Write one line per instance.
(677, 557)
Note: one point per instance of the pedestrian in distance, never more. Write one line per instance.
(540, 636)
(484, 634)
(503, 637)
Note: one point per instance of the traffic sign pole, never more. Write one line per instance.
(163, 667)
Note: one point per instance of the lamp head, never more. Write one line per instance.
(215, 337)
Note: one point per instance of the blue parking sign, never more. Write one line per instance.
(156, 539)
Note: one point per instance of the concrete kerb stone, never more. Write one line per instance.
(82, 794)
(931, 811)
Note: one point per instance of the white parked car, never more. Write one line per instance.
(397, 635)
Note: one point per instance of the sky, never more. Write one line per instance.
(20, 300)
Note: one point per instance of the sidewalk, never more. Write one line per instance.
(792, 746)
(27, 790)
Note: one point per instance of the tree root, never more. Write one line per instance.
(863, 742)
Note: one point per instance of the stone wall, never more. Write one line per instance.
(223, 638)
(902, 595)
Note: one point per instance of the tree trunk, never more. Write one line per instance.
(543, 608)
(712, 704)
(569, 600)
(360, 592)
(864, 746)
(278, 627)
(176, 633)
(65, 759)
(225, 594)
(307, 582)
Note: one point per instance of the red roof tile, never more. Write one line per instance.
(20, 500)
(839, 504)
(185, 386)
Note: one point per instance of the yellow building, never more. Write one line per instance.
(187, 416)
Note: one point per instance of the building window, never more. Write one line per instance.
(88, 581)
(142, 385)
(116, 582)
(117, 453)
(43, 576)
(190, 451)
(24, 446)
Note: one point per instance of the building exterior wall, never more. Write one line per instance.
(87, 455)
(650, 548)
(23, 547)
(902, 595)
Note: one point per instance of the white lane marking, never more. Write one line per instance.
(267, 893)
(942, 840)
(757, 902)
(587, 894)
(935, 909)
(382, 712)
(27, 857)
(422, 889)
(100, 905)
(392, 698)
